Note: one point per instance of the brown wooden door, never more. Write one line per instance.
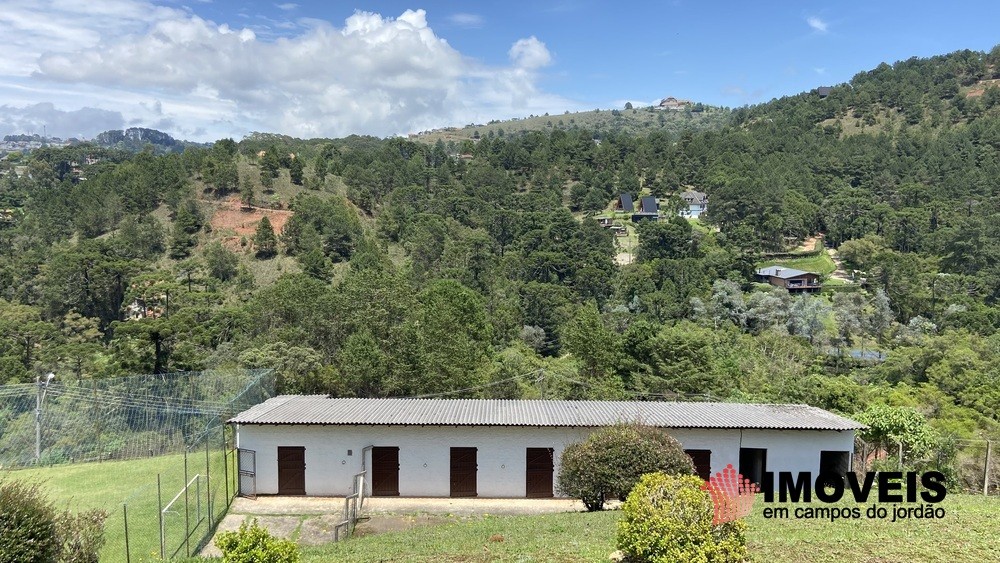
(702, 460)
(385, 472)
(538, 480)
(463, 472)
(291, 470)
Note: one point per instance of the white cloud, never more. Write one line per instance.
(529, 53)
(471, 21)
(84, 122)
(287, 6)
(374, 74)
(819, 70)
(817, 24)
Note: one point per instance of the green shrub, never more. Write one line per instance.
(81, 535)
(32, 530)
(611, 461)
(28, 524)
(668, 519)
(254, 544)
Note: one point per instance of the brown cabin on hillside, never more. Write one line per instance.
(795, 281)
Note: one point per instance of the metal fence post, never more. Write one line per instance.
(986, 469)
(225, 462)
(187, 511)
(208, 484)
(159, 506)
(128, 556)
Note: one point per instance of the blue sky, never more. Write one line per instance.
(203, 70)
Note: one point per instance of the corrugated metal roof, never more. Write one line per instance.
(323, 410)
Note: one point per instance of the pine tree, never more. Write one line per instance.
(264, 240)
(295, 170)
(246, 194)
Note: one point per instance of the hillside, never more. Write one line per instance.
(936, 92)
(637, 121)
(135, 139)
(400, 268)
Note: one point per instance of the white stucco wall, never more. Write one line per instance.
(424, 453)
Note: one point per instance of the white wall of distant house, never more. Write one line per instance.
(424, 453)
(693, 211)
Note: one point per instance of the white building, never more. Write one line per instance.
(314, 445)
(696, 202)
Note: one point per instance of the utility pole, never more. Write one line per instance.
(39, 398)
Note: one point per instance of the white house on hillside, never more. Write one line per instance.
(696, 203)
(314, 445)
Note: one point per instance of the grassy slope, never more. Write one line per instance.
(967, 533)
(108, 485)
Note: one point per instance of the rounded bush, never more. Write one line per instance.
(254, 544)
(668, 519)
(28, 530)
(611, 460)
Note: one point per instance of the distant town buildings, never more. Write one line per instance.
(28, 143)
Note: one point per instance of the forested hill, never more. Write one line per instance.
(388, 267)
(135, 139)
(938, 92)
(630, 120)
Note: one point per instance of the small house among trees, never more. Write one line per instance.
(696, 203)
(673, 104)
(648, 210)
(824, 91)
(139, 309)
(625, 203)
(795, 281)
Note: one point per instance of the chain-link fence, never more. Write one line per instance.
(175, 512)
(152, 451)
(55, 421)
(971, 466)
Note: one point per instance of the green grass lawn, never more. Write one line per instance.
(549, 537)
(111, 484)
(820, 264)
(968, 532)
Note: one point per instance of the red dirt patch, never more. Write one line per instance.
(230, 215)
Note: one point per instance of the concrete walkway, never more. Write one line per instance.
(311, 520)
(398, 505)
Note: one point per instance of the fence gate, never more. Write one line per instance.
(247, 463)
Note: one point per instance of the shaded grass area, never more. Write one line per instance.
(110, 484)
(968, 532)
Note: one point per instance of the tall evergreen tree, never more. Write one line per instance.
(264, 241)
